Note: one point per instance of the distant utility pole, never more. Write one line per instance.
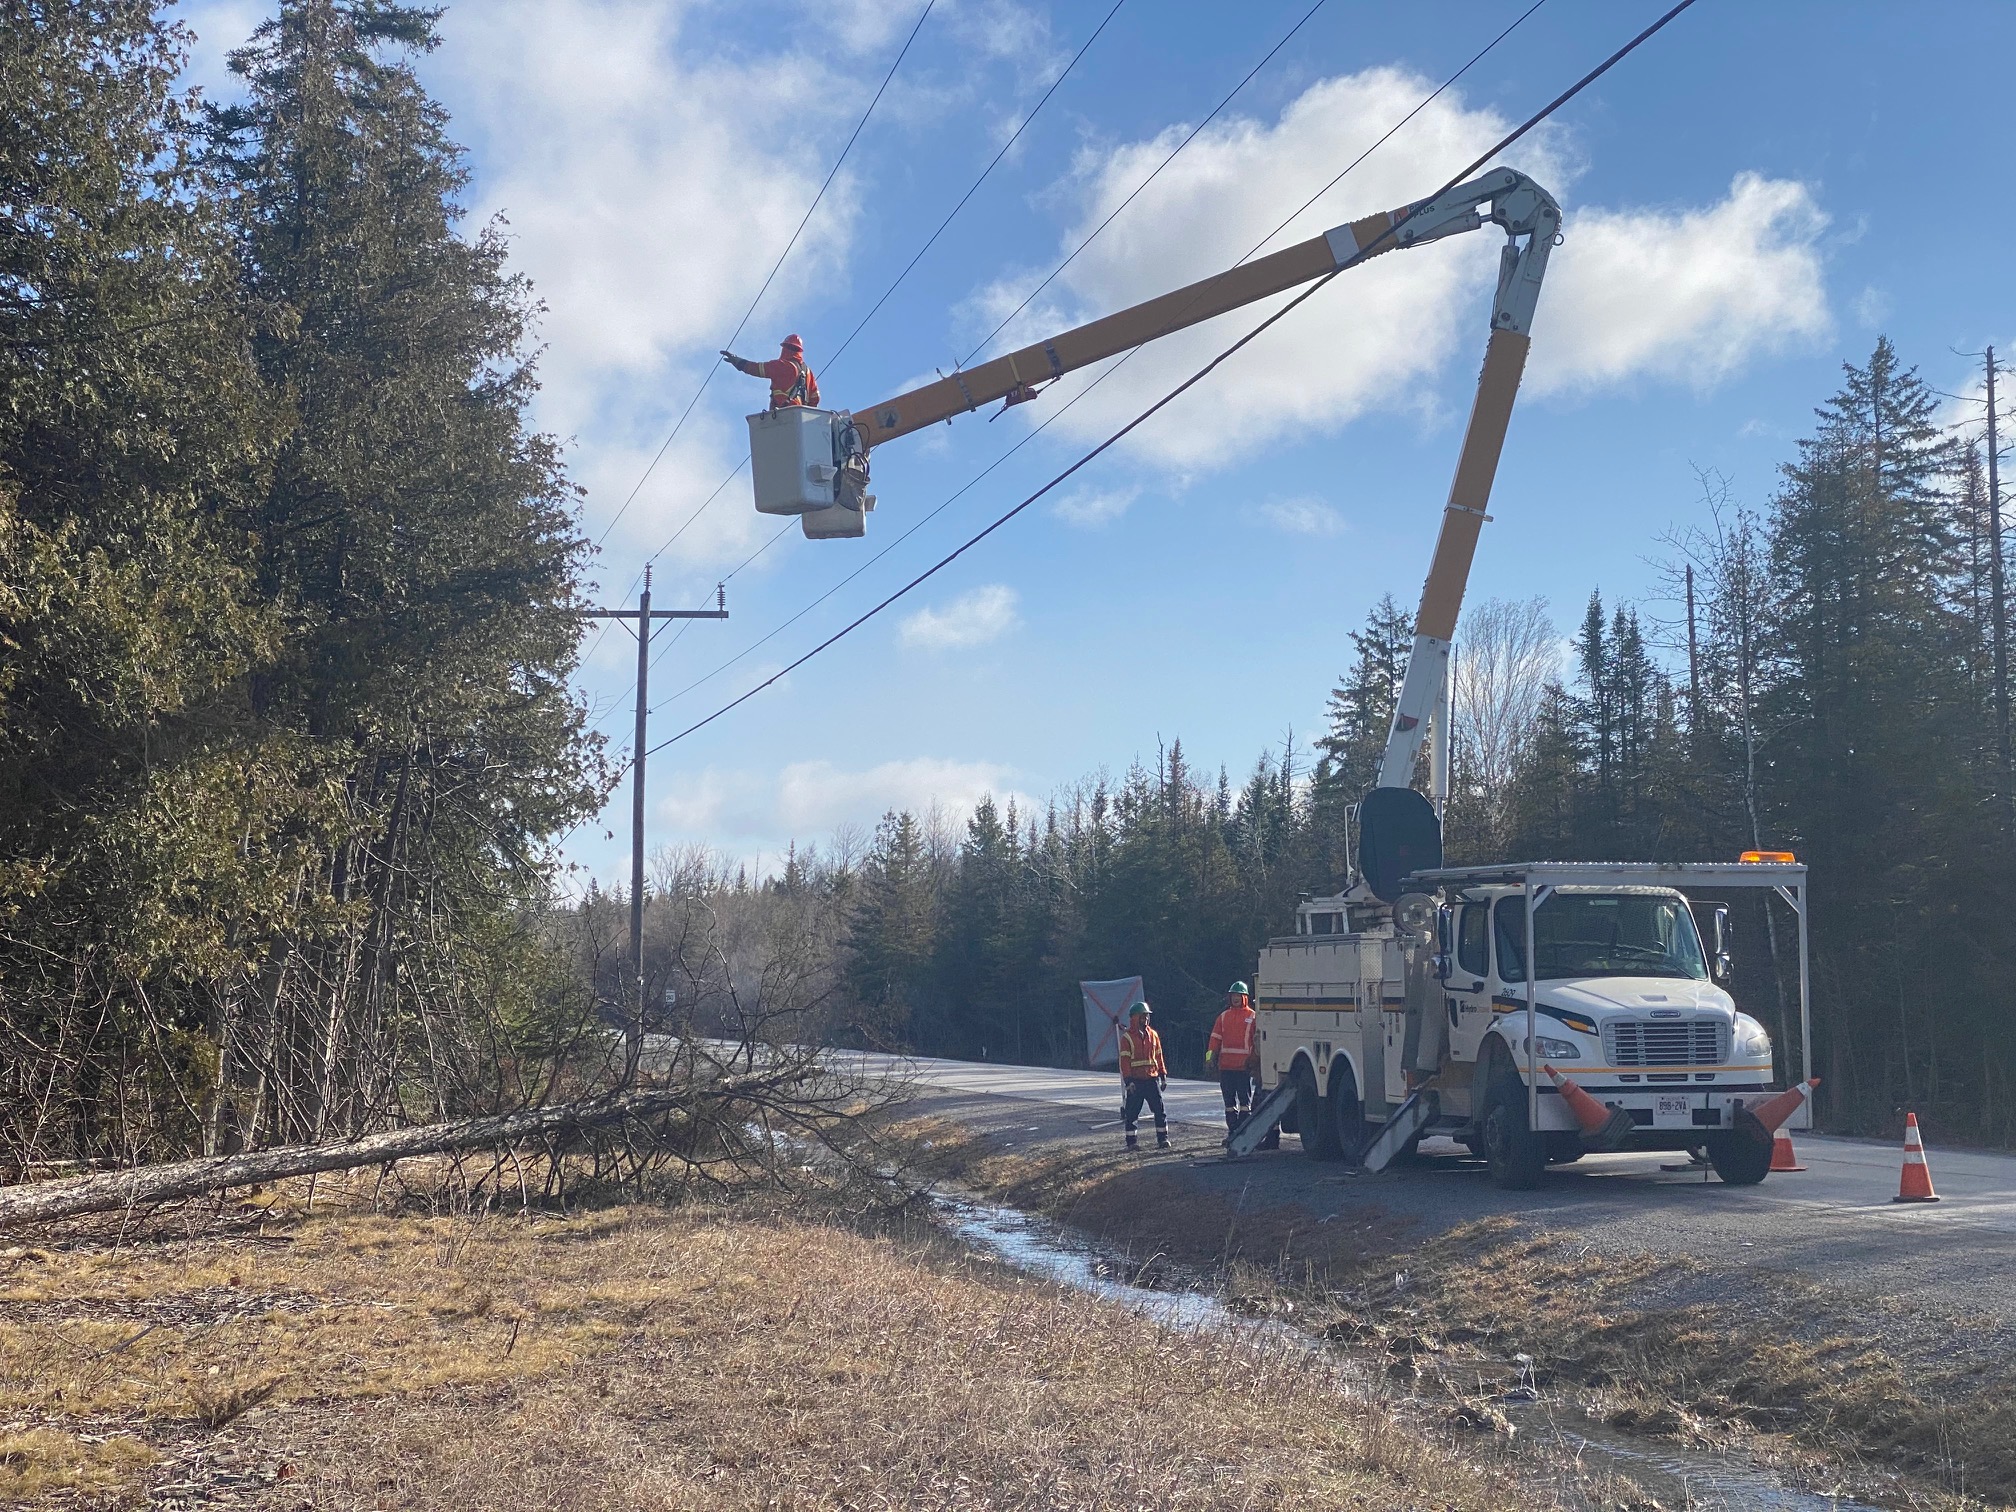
(1999, 628)
(1693, 667)
(644, 614)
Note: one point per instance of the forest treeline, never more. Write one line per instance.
(287, 600)
(288, 609)
(1822, 678)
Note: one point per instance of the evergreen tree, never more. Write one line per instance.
(891, 932)
(416, 537)
(1360, 710)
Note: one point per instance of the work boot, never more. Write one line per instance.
(1132, 1142)
(1232, 1121)
(1161, 1139)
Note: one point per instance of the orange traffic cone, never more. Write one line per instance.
(1773, 1111)
(1783, 1156)
(1915, 1185)
(1603, 1128)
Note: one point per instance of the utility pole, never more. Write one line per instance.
(1999, 628)
(1693, 667)
(644, 614)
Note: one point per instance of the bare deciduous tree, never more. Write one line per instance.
(1506, 654)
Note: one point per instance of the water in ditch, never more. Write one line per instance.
(1699, 1480)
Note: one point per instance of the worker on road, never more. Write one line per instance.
(791, 382)
(1231, 1051)
(1144, 1075)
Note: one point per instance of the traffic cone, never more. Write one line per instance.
(1603, 1128)
(1783, 1156)
(1773, 1111)
(1915, 1184)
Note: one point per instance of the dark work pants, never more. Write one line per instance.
(1139, 1090)
(1237, 1087)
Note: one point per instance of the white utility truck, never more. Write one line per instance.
(1374, 1030)
(1379, 1026)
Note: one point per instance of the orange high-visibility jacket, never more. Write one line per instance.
(1141, 1054)
(791, 383)
(1232, 1037)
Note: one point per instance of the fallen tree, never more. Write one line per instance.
(794, 1095)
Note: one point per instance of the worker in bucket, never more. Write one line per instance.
(791, 382)
(1230, 1052)
(1143, 1076)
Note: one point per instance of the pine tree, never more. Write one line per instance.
(891, 932)
(1360, 710)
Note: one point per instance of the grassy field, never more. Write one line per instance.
(646, 1358)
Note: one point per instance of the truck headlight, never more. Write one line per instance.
(1551, 1049)
(1753, 1040)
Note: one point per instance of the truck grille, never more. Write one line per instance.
(1670, 1043)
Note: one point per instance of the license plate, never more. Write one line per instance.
(1670, 1108)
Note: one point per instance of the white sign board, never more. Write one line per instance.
(1106, 1005)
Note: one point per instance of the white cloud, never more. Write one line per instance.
(1687, 295)
(1872, 307)
(1368, 344)
(809, 798)
(1089, 507)
(1690, 294)
(1310, 517)
(973, 619)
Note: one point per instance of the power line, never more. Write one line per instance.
(943, 505)
(929, 242)
(1390, 133)
(776, 266)
(1285, 40)
(1376, 245)
(974, 189)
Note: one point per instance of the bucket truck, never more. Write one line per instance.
(1535, 1011)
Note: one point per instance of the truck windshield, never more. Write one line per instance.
(1599, 934)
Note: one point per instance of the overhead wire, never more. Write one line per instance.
(929, 242)
(1377, 244)
(775, 267)
(1425, 101)
(1187, 140)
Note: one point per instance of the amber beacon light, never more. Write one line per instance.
(1783, 856)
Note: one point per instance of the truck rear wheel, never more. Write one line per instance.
(1347, 1113)
(1312, 1116)
(1516, 1154)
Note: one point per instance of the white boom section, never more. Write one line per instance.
(1532, 223)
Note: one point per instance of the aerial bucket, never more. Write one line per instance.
(793, 459)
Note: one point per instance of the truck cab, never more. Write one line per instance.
(1365, 1006)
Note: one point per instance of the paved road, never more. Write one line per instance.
(1834, 1220)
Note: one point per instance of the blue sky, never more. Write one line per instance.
(1750, 199)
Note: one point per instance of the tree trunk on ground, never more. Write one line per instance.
(146, 1186)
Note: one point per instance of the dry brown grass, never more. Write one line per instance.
(645, 1359)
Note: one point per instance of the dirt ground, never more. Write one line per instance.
(1906, 1399)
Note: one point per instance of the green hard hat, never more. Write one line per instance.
(1141, 1008)
(1237, 987)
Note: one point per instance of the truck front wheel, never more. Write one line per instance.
(1516, 1154)
(1739, 1158)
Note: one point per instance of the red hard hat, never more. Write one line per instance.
(793, 344)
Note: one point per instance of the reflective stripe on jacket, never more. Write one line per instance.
(791, 383)
(1232, 1037)
(1141, 1055)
